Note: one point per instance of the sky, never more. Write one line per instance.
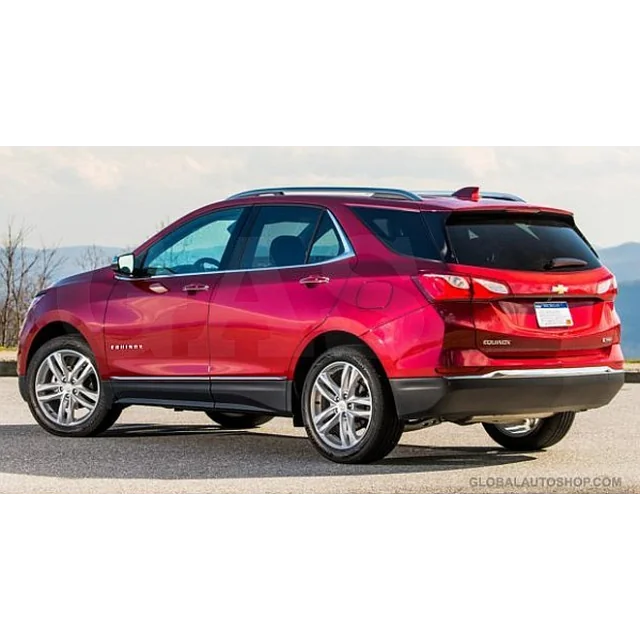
(119, 196)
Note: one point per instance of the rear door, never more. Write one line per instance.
(290, 272)
(538, 287)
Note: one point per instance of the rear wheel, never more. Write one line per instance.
(531, 435)
(238, 420)
(64, 390)
(348, 409)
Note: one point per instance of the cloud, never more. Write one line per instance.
(117, 195)
(98, 173)
(480, 162)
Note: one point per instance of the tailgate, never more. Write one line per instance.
(538, 288)
(534, 318)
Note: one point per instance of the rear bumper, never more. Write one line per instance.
(506, 393)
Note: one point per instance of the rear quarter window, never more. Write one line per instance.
(404, 232)
(519, 243)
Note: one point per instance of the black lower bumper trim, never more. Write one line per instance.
(415, 397)
(460, 398)
(255, 396)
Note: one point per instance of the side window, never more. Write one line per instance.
(197, 246)
(326, 244)
(404, 232)
(280, 236)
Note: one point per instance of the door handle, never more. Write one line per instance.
(194, 288)
(312, 281)
(158, 288)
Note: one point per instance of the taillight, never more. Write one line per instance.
(437, 286)
(448, 287)
(489, 289)
(607, 288)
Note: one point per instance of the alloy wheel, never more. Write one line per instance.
(341, 405)
(67, 388)
(519, 429)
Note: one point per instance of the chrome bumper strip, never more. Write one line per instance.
(541, 373)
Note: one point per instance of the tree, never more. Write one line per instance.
(93, 258)
(23, 272)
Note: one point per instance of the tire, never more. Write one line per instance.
(83, 422)
(545, 434)
(110, 419)
(233, 421)
(341, 436)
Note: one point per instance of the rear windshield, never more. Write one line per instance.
(520, 243)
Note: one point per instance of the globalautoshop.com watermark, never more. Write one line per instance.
(546, 482)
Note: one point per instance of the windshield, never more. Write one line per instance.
(520, 243)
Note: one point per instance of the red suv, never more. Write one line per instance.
(359, 312)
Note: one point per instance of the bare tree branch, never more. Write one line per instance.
(23, 272)
(93, 258)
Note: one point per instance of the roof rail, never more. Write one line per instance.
(375, 192)
(491, 195)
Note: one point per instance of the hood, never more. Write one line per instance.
(80, 278)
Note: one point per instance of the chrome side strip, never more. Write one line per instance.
(247, 378)
(199, 378)
(161, 378)
(342, 256)
(540, 373)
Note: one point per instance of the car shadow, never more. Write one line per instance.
(203, 452)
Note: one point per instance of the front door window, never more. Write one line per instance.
(197, 247)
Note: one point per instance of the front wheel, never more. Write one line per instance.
(348, 409)
(64, 390)
(531, 434)
(234, 421)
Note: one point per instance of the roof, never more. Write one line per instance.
(467, 199)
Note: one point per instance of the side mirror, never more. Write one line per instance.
(124, 264)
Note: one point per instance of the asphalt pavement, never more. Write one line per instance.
(159, 451)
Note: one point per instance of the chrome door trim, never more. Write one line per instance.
(347, 254)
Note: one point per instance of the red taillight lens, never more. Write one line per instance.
(608, 288)
(438, 286)
(489, 289)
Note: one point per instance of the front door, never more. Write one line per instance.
(293, 268)
(156, 335)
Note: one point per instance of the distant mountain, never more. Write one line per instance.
(628, 307)
(624, 261)
(74, 259)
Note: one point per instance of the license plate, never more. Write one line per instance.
(553, 314)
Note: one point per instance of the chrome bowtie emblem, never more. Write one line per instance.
(560, 289)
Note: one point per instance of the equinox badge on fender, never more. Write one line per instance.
(497, 343)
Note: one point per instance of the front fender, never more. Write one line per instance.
(81, 306)
(33, 329)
